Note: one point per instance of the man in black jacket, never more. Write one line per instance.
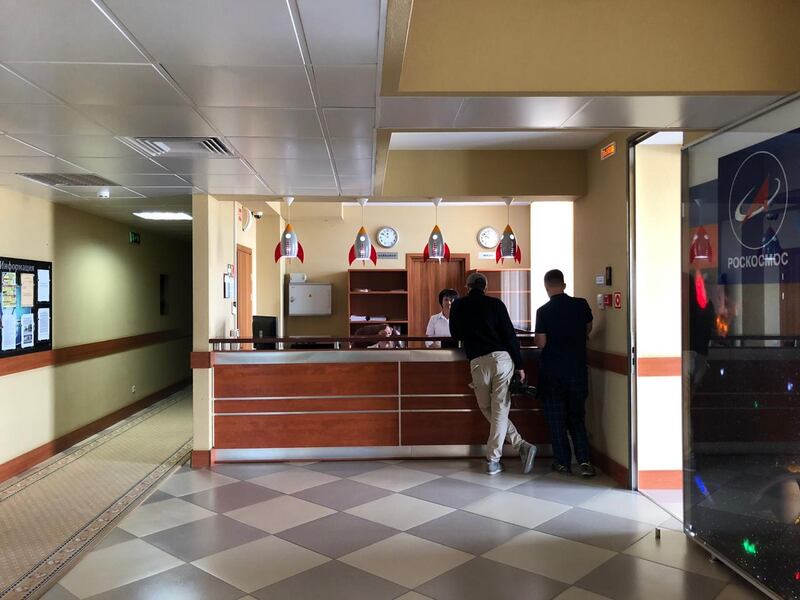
(562, 326)
(483, 324)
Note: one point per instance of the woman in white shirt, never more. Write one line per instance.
(439, 324)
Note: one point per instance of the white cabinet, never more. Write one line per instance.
(309, 299)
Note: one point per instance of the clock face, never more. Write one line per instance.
(488, 237)
(387, 237)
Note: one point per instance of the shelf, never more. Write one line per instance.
(390, 322)
(379, 293)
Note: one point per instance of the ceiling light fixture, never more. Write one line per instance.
(164, 216)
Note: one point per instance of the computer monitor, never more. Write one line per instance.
(265, 327)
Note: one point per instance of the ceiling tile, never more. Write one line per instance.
(410, 113)
(13, 89)
(306, 181)
(496, 140)
(67, 30)
(205, 180)
(655, 112)
(210, 32)
(266, 122)
(348, 85)
(265, 147)
(365, 189)
(279, 168)
(145, 179)
(92, 191)
(118, 165)
(212, 166)
(519, 113)
(341, 32)
(149, 120)
(151, 191)
(344, 148)
(80, 145)
(714, 112)
(355, 181)
(101, 84)
(9, 147)
(361, 167)
(252, 187)
(304, 191)
(44, 164)
(350, 122)
(53, 119)
(279, 87)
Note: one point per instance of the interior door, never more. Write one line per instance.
(244, 291)
(426, 280)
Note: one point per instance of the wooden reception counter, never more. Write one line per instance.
(336, 404)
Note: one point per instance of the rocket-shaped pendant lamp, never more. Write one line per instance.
(700, 248)
(436, 248)
(289, 246)
(508, 248)
(362, 249)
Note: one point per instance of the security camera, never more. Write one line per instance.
(104, 193)
(258, 214)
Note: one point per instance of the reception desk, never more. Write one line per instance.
(337, 404)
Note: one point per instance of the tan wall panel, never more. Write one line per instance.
(485, 173)
(583, 46)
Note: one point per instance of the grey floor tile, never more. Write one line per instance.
(342, 494)
(230, 497)
(480, 579)
(58, 592)
(157, 496)
(563, 491)
(332, 581)
(450, 492)
(346, 468)
(115, 536)
(337, 534)
(673, 524)
(605, 531)
(186, 582)
(443, 467)
(245, 471)
(204, 537)
(465, 531)
(628, 578)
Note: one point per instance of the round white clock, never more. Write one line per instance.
(387, 237)
(488, 237)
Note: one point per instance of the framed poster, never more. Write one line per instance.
(26, 306)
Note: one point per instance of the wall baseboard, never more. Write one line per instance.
(22, 463)
(661, 480)
(204, 459)
(611, 467)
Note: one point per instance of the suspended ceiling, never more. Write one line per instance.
(289, 85)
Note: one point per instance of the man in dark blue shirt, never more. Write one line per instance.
(562, 326)
(491, 345)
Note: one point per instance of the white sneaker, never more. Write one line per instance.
(493, 467)
(527, 452)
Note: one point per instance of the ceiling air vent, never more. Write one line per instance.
(178, 146)
(74, 179)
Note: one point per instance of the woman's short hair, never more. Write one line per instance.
(447, 293)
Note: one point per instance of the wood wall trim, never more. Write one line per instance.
(661, 480)
(203, 459)
(611, 467)
(32, 458)
(608, 361)
(202, 360)
(71, 354)
(659, 366)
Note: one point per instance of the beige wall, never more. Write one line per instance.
(601, 239)
(103, 288)
(269, 275)
(327, 242)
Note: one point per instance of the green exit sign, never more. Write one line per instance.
(134, 237)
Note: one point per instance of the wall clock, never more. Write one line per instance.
(387, 237)
(488, 237)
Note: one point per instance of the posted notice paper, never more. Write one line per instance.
(26, 282)
(43, 324)
(9, 331)
(43, 279)
(9, 289)
(27, 330)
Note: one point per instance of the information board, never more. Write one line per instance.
(26, 306)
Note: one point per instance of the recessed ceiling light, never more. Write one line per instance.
(164, 216)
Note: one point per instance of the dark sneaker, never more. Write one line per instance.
(493, 467)
(561, 469)
(527, 452)
(586, 469)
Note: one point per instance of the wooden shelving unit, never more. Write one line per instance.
(378, 293)
(513, 287)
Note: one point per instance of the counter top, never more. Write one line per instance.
(279, 357)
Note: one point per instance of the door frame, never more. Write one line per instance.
(410, 256)
(245, 250)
